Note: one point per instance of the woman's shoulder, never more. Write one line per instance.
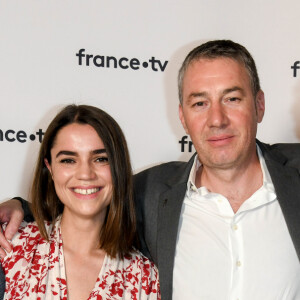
(135, 272)
(133, 264)
(138, 264)
(137, 258)
(28, 229)
(25, 230)
(27, 238)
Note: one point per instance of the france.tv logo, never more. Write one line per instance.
(20, 136)
(295, 67)
(102, 61)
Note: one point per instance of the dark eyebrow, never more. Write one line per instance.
(201, 94)
(71, 153)
(99, 151)
(233, 89)
(204, 94)
(196, 95)
(64, 152)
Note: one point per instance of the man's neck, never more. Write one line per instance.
(236, 184)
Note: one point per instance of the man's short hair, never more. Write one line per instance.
(218, 49)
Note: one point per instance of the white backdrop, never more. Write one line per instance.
(40, 72)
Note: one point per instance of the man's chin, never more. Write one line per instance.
(221, 162)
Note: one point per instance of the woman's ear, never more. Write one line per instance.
(48, 166)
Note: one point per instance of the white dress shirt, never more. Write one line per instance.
(236, 256)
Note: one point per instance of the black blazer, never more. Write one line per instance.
(160, 191)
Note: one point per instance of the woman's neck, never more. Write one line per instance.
(82, 254)
(80, 234)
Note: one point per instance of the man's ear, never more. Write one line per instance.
(48, 166)
(181, 117)
(260, 105)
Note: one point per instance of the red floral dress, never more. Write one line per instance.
(35, 269)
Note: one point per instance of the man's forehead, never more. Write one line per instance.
(215, 67)
(213, 60)
(219, 74)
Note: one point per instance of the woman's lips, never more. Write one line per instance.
(86, 192)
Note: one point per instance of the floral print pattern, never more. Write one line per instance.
(35, 269)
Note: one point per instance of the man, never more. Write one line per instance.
(225, 225)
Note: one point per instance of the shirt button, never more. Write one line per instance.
(235, 227)
(238, 263)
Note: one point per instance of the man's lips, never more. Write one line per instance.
(220, 140)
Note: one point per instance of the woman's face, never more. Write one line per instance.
(81, 172)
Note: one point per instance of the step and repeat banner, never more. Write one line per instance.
(123, 56)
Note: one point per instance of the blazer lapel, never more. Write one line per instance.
(169, 209)
(286, 181)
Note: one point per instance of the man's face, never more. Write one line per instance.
(220, 113)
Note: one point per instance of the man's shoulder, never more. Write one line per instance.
(161, 177)
(289, 148)
(284, 148)
(287, 153)
(162, 171)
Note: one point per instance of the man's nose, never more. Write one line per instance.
(217, 115)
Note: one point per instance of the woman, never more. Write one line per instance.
(81, 245)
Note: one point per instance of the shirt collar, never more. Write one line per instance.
(191, 187)
(267, 181)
